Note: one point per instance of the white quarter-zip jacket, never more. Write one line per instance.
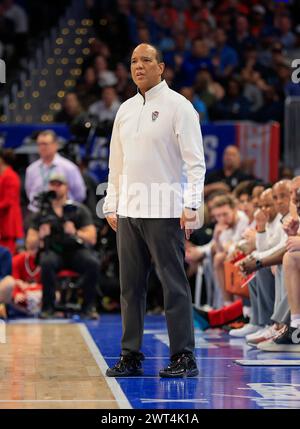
(156, 165)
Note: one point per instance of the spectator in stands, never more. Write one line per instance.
(197, 60)
(124, 86)
(105, 76)
(208, 90)
(285, 341)
(224, 57)
(11, 223)
(272, 109)
(229, 176)
(286, 36)
(87, 88)
(233, 106)
(106, 109)
(175, 57)
(37, 173)
(199, 106)
(71, 108)
(241, 36)
(23, 289)
(67, 242)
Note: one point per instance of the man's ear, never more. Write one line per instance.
(162, 67)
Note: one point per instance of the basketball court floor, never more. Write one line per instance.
(62, 365)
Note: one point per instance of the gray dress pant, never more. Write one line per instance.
(281, 312)
(161, 240)
(262, 297)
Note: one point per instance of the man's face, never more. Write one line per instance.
(61, 189)
(246, 205)
(224, 215)
(47, 146)
(268, 206)
(295, 184)
(297, 202)
(281, 196)
(231, 157)
(145, 70)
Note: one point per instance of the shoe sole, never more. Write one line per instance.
(132, 374)
(282, 348)
(193, 373)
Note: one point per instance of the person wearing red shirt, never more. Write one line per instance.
(11, 222)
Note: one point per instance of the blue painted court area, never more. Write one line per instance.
(221, 382)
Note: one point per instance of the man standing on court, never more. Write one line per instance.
(156, 176)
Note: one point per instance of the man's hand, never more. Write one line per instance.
(44, 230)
(20, 298)
(194, 254)
(291, 226)
(261, 220)
(69, 228)
(112, 220)
(293, 244)
(247, 265)
(188, 217)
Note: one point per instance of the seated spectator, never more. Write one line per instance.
(286, 36)
(230, 225)
(37, 173)
(106, 109)
(23, 289)
(272, 109)
(87, 88)
(67, 237)
(224, 57)
(11, 222)
(233, 106)
(265, 290)
(199, 106)
(208, 90)
(241, 37)
(197, 60)
(124, 85)
(105, 76)
(71, 109)
(229, 176)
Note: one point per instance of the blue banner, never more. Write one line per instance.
(215, 139)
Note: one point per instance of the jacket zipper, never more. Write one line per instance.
(139, 119)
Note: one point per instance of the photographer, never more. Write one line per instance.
(67, 236)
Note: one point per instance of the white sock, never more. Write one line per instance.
(295, 320)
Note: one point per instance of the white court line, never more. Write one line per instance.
(112, 382)
(57, 400)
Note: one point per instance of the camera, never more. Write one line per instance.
(58, 240)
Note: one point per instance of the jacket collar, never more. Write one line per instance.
(153, 92)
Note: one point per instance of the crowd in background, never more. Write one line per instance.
(231, 59)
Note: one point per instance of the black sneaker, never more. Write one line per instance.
(287, 341)
(127, 365)
(181, 365)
